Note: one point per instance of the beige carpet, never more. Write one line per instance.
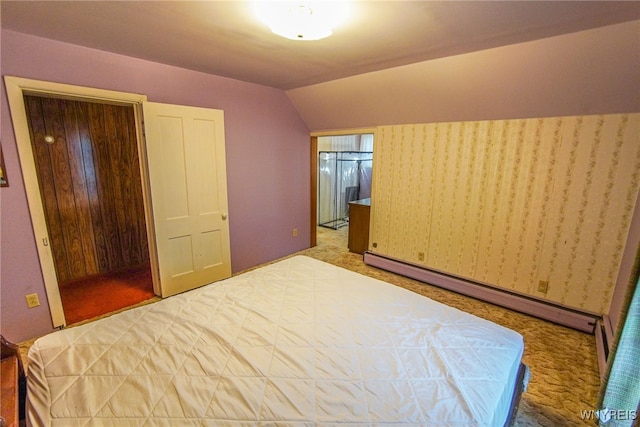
(563, 363)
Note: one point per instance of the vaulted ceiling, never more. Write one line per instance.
(225, 38)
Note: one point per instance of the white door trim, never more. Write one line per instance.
(16, 88)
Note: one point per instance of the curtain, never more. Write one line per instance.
(620, 391)
(362, 142)
(366, 142)
(343, 176)
(339, 143)
(342, 171)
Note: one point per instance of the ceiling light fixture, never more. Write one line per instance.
(302, 20)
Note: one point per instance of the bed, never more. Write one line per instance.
(295, 343)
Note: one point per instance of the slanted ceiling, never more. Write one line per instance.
(226, 39)
(395, 62)
(584, 73)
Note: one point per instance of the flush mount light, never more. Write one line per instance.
(302, 20)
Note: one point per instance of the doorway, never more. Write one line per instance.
(342, 173)
(88, 169)
(193, 132)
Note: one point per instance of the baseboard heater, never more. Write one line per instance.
(582, 321)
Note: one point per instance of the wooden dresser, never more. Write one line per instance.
(359, 211)
(13, 388)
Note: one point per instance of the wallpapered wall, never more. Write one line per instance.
(511, 202)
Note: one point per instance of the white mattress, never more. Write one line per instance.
(299, 342)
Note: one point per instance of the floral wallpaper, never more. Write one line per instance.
(537, 206)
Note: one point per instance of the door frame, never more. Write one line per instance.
(313, 237)
(16, 88)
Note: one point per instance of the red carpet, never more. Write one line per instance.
(94, 296)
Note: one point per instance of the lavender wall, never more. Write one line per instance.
(267, 148)
(582, 73)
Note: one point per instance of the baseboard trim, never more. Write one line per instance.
(582, 321)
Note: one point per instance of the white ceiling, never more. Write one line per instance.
(225, 39)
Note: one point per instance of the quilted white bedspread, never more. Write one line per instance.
(296, 343)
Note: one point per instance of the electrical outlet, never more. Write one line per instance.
(543, 286)
(294, 233)
(420, 256)
(32, 300)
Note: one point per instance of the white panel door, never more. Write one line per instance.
(188, 185)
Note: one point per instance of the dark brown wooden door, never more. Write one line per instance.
(88, 169)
